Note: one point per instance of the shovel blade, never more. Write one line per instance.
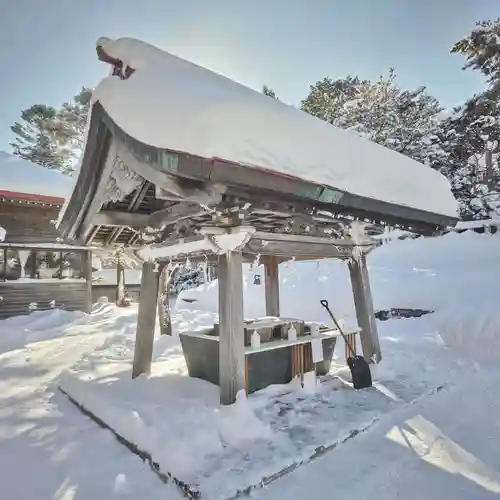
(360, 371)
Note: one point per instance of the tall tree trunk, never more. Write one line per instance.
(163, 304)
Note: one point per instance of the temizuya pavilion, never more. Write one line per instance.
(180, 162)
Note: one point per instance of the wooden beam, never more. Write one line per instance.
(182, 189)
(272, 285)
(115, 218)
(174, 213)
(146, 319)
(89, 178)
(294, 249)
(299, 238)
(364, 308)
(92, 234)
(231, 327)
(95, 202)
(300, 246)
(134, 204)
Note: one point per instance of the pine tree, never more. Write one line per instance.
(53, 137)
(467, 146)
(481, 49)
(269, 92)
(381, 111)
(467, 156)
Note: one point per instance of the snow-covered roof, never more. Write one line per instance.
(19, 176)
(173, 104)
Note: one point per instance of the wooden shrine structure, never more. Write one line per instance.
(38, 269)
(168, 205)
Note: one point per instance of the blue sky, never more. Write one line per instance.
(47, 46)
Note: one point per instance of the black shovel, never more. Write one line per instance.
(360, 370)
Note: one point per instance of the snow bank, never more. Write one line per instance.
(3, 234)
(22, 176)
(183, 107)
(39, 326)
(472, 330)
(441, 273)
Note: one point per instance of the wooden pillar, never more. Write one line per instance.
(146, 319)
(87, 272)
(120, 281)
(231, 327)
(163, 302)
(272, 284)
(364, 308)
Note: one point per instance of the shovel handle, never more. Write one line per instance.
(324, 303)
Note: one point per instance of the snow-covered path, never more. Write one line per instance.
(48, 449)
(443, 446)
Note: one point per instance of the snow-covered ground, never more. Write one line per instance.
(428, 426)
(48, 449)
(179, 422)
(441, 446)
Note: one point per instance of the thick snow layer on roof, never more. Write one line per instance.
(174, 104)
(22, 176)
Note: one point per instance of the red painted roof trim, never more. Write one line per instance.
(40, 198)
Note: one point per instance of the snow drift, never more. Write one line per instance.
(451, 275)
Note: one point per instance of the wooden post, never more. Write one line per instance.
(163, 302)
(231, 327)
(364, 308)
(87, 272)
(146, 319)
(272, 284)
(120, 280)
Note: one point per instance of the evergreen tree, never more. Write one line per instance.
(269, 92)
(481, 49)
(467, 145)
(381, 111)
(53, 137)
(468, 157)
